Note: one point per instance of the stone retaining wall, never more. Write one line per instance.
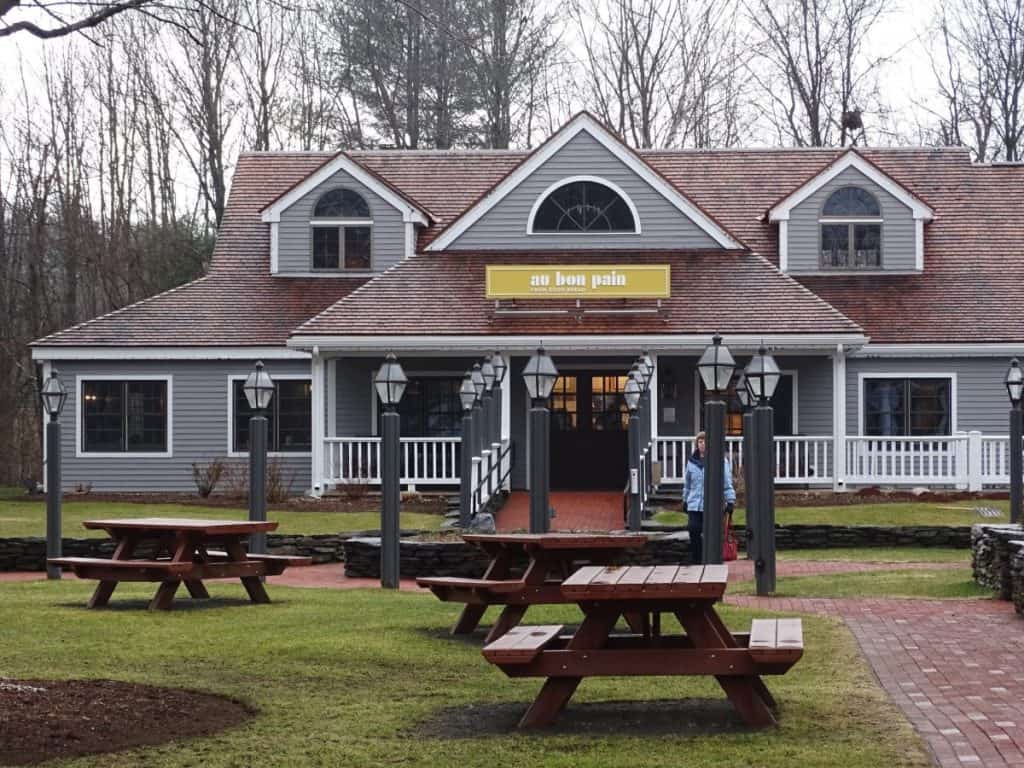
(831, 536)
(991, 557)
(456, 558)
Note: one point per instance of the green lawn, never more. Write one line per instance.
(28, 518)
(881, 554)
(350, 677)
(938, 583)
(869, 514)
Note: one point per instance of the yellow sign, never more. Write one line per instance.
(584, 281)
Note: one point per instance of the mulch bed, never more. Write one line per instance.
(45, 719)
(873, 495)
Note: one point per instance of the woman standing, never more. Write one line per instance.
(693, 497)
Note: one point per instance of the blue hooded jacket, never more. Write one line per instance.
(693, 484)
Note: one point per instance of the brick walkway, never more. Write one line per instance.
(589, 511)
(953, 667)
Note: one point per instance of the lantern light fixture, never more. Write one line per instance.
(1014, 383)
(500, 367)
(53, 394)
(539, 375)
(716, 366)
(487, 371)
(390, 381)
(258, 388)
(631, 394)
(762, 374)
(467, 392)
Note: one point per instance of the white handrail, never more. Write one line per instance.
(424, 460)
(799, 460)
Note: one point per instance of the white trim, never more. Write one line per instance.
(275, 256)
(862, 271)
(953, 404)
(839, 418)
(232, 378)
(506, 402)
(342, 162)
(410, 239)
(850, 220)
(652, 387)
(341, 222)
(919, 245)
(80, 454)
(332, 397)
(784, 245)
(596, 180)
(582, 122)
(374, 405)
(318, 415)
(167, 353)
(781, 211)
(571, 344)
(942, 350)
(339, 272)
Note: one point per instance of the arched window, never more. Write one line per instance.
(584, 205)
(341, 231)
(851, 230)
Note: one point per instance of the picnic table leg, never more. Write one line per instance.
(182, 550)
(123, 551)
(163, 600)
(253, 584)
(471, 615)
(196, 589)
(556, 691)
(510, 617)
(730, 641)
(742, 691)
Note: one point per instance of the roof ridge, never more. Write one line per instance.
(119, 310)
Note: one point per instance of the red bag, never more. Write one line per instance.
(730, 546)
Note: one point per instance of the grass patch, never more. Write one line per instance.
(941, 583)
(350, 677)
(881, 554)
(899, 513)
(28, 518)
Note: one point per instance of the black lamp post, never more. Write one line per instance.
(54, 395)
(390, 383)
(467, 396)
(762, 376)
(647, 366)
(500, 367)
(259, 389)
(539, 375)
(477, 377)
(1015, 388)
(743, 395)
(716, 367)
(632, 395)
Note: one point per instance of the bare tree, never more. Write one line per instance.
(266, 38)
(979, 70)
(813, 68)
(66, 16)
(663, 72)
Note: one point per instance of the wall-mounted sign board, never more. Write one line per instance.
(578, 281)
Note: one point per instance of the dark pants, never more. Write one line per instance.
(695, 527)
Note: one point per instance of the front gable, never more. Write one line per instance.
(583, 150)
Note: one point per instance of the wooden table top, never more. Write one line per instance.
(632, 582)
(561, 540)
(167, 524)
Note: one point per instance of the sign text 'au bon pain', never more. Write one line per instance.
(590, 281)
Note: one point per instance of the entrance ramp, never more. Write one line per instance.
(574, 511)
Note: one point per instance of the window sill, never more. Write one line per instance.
(866, 271)
(122, 455)
(328, 273)
(272, 454)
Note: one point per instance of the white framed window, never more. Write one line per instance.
(124, 415)
(850, 230)
(289, 417)
(342, 232)
(907, 404)
(583, 205)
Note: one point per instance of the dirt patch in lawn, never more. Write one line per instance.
(46, 719)
(613, 718)
(820, 498)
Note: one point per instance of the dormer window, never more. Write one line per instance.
(851, 230)
(341, 231)
(583, 205)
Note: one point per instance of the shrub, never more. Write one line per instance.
(354, 489)
(278, 484)
(207, 477)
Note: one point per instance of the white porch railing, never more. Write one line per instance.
(798, 460)
(970, 460)
(424, 460)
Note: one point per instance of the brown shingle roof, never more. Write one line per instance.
(969, 292)
(443, 294)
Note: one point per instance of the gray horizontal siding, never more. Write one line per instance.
(898, 243)
(199, 431)
(981, 397)
(295, 249)
(662, 225)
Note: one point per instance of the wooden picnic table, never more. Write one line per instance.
(736, 660)
(182, 550)
(550, 558)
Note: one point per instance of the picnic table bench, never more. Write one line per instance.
(181, 552)
(736, 660)
(550, 558)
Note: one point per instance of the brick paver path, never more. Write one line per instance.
(585, 511)
(953, 666)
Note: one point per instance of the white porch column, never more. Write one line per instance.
(506, 402)
(319, 407)
(839, 418)
(47, 368)
(653, 388)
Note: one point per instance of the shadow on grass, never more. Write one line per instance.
(686, 717)
(476, 638)
(181, 605)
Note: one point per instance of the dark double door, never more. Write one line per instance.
(589, 438)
